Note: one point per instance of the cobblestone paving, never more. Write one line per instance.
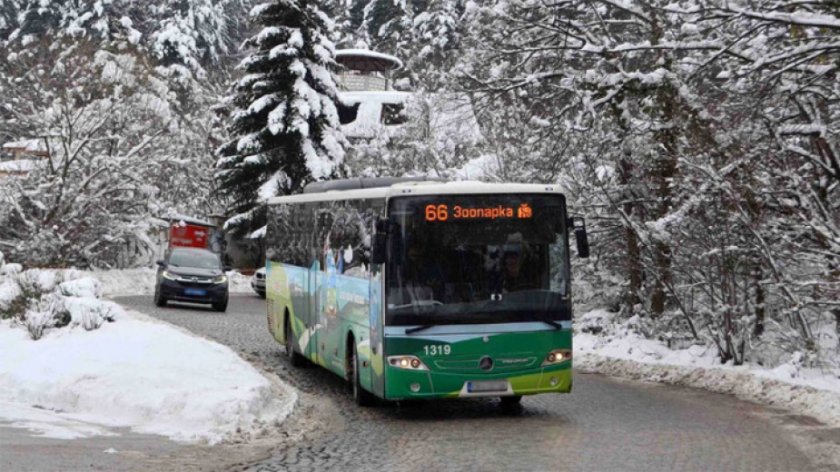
(603, 425)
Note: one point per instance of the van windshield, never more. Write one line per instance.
(195, 259)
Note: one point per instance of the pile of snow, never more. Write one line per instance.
(615, 349)
(138, 373)
(142, 281)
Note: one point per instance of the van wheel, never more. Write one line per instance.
(222, 307)
(360, 395)
(160, 301)
(295, 359)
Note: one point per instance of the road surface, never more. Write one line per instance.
(604, 425)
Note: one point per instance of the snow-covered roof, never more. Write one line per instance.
(367, 60)
(188, 219)
(18, 166)
(419, 188)
(390, 96)
(28, 145)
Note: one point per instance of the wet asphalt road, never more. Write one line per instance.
(604, 425)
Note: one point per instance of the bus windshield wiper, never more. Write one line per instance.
(419, 328)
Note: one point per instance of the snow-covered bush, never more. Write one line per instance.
(123, 122)
(39, 300)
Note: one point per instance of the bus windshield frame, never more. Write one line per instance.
(477, 259)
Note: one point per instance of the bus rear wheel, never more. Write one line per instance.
(360, 395)
(295, 359)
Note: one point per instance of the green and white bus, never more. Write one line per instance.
(425, 290)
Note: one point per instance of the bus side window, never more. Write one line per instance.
(323, 227)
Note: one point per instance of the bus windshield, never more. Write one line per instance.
(477, 259)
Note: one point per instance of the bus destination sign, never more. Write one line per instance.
(443, 212)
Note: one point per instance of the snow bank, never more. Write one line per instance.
(628, 355)
(142, 282)
(134, 373)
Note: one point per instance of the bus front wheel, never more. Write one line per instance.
(360, 395)
(512, 400)
(295, 359)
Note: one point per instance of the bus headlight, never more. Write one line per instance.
(407, 362)
(557, 356)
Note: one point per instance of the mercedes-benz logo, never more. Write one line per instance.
(486, 363)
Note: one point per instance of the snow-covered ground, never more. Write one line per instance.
(619, 351)
(136, 373)
(73, 365)
(142, 282)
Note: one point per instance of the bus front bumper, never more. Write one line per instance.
(402, 384)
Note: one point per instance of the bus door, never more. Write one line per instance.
(312, 311)
(377, 362)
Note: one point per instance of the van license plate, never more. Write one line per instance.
(487, 386)
(195, 292)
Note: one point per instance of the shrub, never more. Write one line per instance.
(41, 299)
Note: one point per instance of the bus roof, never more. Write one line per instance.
(418, 188)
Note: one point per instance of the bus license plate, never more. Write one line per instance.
(195, 292)
(487, 386)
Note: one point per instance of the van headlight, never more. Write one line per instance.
(169, 275)
(220, 279)
(557, 356)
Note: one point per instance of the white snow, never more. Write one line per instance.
(18, 166)
(47, 423)
(184, 219)
(623, 353)
(142, 282)
(366, 53)
(368, 118)
(135, 373)
(28, 145)
(482, 167)
(9, 291)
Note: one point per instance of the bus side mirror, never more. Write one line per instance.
(380, 242)
(581, 239)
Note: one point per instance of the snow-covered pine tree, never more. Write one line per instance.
(285, 128)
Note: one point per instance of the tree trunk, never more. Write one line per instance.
(664, 171)
(634, 262)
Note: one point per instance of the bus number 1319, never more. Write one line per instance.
(437, 349)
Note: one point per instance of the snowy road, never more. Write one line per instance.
(604, 425)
